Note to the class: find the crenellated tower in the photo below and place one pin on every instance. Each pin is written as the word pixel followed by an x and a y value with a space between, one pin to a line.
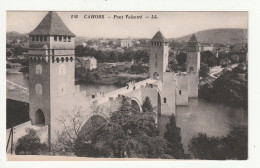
pixel 51 70
pixel 158 60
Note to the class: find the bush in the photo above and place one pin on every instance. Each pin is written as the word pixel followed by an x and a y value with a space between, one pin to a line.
pixel 30 144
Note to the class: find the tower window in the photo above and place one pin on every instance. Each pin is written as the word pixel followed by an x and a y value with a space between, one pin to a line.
pixel 60 38
pixel 38 69
pixel 33 38
pixel 191 69
pixel 179 92
pixel 55 38
pixel 37 38
pixel 45 38
pixel 41 38
pixel 69 39
pixel 64 38
pixel 156 55
pixel 38 89
pixel 62 89
pixel 155 64
pixel 62 69
pixel 164 100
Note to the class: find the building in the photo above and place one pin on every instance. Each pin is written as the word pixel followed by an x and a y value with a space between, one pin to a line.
pixel 126 43
pixel 207 47
pixel 90 62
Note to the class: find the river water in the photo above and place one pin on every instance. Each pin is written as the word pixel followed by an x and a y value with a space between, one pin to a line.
pixel 199 116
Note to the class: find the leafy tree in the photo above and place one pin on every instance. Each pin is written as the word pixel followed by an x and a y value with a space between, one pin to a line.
pixel 128 133
pixel 209 58
pixel 30 144
pixel 181 58
pixel 204 70
pixel 147 106
pixel 173 136
pixel 233 146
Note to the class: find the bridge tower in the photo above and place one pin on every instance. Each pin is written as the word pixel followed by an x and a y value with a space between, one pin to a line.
pixel 158 70
pixel 193 65
pixel 158 60
pixel 51 70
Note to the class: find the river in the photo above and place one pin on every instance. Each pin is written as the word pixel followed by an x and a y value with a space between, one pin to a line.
pixel 199 116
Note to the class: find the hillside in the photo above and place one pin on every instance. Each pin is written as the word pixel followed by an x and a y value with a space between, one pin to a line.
pixel 13 35
pixel 223 36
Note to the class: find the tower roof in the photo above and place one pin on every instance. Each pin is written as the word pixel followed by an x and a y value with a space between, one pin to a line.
pixel 193 38
pixel 51 24
pixel 158 37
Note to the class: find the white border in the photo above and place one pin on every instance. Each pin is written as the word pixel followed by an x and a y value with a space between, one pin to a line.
pixel 252 6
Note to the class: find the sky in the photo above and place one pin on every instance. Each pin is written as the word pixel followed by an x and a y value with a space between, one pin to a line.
pixel 171 24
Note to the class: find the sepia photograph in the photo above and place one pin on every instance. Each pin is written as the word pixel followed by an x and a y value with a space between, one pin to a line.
pixel 132 84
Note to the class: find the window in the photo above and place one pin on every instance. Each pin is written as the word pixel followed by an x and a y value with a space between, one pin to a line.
pixel 41 38
pixel 179 92
pixel 38 69
pixel 33 38
pixel 60 38
pixel 55 38
pixel 37 38
pixel 62 89
pixel 45 38
pixel 69 39
pixel 156 55
pixel 64 38
pixel 191 69
pixel 164 100
pixel 38 89
pixel 62 69
pixel 155 64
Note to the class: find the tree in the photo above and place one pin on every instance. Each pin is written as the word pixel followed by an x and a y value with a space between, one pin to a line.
pixel 233 146
pixel 204 70
pixel 209 58
pixel 181 58
pixel 30 144
pixel 147 106
pixel 173 136
pixel 128 133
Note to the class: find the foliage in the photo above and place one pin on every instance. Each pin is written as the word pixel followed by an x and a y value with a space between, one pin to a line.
pixel 128 133
pixel 208 58
pixel 30 144
pixel 67 138
pixel 147 105
pixel 113 56
pixel 231 88
pixel 233 146
pixel 181 58
pixel 173 136
pixel 204 70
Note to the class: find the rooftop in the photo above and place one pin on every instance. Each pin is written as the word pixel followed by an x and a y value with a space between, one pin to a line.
pixel 52 24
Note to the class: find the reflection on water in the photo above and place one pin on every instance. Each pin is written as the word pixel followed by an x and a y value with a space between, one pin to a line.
pixel 199 116
pixel 206 117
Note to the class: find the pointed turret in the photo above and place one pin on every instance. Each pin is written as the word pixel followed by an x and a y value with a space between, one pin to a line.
pixel 158 37
pixel 193 38
pixel 52 25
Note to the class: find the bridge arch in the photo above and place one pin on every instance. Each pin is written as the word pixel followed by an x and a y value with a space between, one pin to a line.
pixel 136 104
pixel 39 118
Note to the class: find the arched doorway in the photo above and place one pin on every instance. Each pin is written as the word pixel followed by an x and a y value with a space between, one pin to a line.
pixel 156 76
pixel 39 118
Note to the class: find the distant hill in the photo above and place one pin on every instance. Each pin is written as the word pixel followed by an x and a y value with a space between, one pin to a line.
pixel 13 35
pixel 223 36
